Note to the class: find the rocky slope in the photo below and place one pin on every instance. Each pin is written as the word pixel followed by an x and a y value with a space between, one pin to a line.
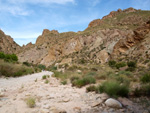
pixel 120 35
pixel 7 44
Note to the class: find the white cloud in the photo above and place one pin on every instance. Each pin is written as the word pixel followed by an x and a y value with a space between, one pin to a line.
pixel 18 7
pixel 13 9
pixel 41 1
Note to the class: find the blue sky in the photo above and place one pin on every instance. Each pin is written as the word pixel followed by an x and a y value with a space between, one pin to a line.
pixel 24 20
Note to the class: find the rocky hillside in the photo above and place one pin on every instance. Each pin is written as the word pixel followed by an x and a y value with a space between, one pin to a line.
pixel 119 35
pixel 7 44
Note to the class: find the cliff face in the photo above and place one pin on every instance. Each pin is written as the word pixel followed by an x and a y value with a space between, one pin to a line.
pixel 7 44
pixel 119 35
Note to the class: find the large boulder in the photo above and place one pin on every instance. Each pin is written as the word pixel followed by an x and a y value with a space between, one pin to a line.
pixel 113 103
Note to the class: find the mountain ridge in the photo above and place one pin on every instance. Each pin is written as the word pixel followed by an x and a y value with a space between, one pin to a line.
pixel 100 42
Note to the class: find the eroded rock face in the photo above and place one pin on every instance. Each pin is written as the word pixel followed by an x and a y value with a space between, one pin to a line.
pixel 7 44
pixel 96 44
pixel 124 46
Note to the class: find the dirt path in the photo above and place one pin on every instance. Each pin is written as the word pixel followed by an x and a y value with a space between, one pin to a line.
pixel 50 98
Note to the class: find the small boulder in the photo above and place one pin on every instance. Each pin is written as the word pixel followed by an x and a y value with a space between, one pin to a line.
pixel 113 103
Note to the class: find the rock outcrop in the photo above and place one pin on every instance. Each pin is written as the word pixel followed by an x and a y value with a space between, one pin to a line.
pixel 7 44
pixel 128 45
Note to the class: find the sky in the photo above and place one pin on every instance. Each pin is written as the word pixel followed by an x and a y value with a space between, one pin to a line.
pixel 24 20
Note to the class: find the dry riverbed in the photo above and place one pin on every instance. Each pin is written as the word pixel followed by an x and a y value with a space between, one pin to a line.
pixel 52 97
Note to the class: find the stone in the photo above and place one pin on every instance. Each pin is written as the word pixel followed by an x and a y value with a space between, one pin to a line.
pixel 102 96
pixel 77 109
pixel 46 106
pixel 57 110
pixel 44 111
pixel 113 103
pixel 66 100
pixel 125 101
pixel 96 103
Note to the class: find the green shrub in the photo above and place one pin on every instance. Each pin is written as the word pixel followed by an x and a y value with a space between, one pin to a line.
pixel 123 79
pixel 30 102
pixel 91 88
pixel 64 82
pixel 53 68
pixel 114 89
pixel 120 64
pixel 42 67
pixel 112 63
pixel 131 64
pixel 84 81
pixel 82 61
pixel 14 57
pixel 8 57
pixel 145 78
pixel 144 90
pixel 27 63
pixel 2 55
pixel 74 78
pixel 127 73
pixel 44 77
pixel 91 74
pixel 46 81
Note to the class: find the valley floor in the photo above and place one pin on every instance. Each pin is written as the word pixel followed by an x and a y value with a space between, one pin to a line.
pixel 53 97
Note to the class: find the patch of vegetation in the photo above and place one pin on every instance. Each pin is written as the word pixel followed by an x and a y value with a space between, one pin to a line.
pixel 74 78
pixel 27 64
pixel 127 73
pixel 84 81
pixel 46 81
pixel 64 82
pixel 114 89
pixel 91 73
pixel 120 64
pixel 61 75
pixel 8 57
pixel 82 61
pixel 122 79
pixel 42 67
pixel 14 70
pixel 145 78
pixel 131 69
pixel 44 77
pixel 30 102
pixel 112 63
pixel 144 90
pixel 91 88
pixel 131 64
